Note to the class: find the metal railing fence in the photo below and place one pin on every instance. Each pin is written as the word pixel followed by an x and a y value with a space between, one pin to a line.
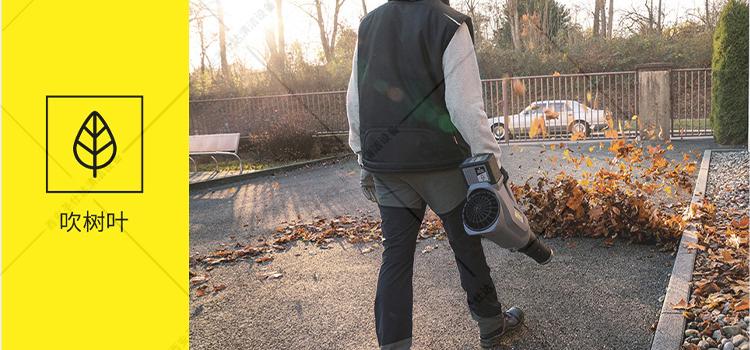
pixel 554 107
pixel 304 113
pixel 691 102
pixel 593 105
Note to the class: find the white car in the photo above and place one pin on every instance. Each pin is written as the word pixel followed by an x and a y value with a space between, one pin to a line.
pixel 560 116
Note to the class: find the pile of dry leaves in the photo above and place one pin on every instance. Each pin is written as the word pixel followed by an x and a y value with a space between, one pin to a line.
pixel 719 299
pixel 319 231
pixel 618 200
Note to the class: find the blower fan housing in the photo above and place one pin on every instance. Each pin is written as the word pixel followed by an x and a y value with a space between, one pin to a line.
pixel 492 212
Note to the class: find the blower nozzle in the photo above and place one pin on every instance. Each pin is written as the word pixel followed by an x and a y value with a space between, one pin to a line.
pixel 492 212
pixel 537 250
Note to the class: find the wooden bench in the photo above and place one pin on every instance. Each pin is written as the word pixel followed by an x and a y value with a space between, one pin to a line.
pixel 214 144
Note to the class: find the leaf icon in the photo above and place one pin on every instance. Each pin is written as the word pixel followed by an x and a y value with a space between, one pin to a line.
pixel 94 146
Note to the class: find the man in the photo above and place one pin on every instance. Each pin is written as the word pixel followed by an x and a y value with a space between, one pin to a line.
pixel 415 112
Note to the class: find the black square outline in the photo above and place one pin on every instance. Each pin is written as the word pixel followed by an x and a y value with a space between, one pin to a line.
pixel 46 142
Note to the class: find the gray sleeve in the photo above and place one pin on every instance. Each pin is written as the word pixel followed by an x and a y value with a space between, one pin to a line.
pixel 463 94
pixel 352 110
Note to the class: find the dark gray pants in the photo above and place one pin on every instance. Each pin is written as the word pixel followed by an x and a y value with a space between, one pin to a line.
pixel 393 301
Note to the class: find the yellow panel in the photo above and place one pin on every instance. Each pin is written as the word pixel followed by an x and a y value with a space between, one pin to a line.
pixel 100 288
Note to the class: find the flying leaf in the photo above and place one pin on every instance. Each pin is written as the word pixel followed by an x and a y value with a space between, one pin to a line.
pixel 518 87
pixel 566 154
pixel 94 147
pixel 578 135
pixel 538 127
pixel 550 114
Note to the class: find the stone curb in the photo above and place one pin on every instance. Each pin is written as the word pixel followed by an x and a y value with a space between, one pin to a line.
pixel 671 327
pixel 202 185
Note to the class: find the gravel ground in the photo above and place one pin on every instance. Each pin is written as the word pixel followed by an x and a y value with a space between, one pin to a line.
pixel 727 189
pixel 589 297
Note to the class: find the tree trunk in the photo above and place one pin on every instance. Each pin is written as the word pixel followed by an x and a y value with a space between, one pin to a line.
pixel 334 32
pixel 708 14
pixel 322 29
pixel 202 37
pixel 222 41
pixel 611 18
pixel 597 16
pixel 514 25
pixel 545 20
pixel 603 12
pixel 364 9
pixel 281 43
pixel 651 16
pixel 658 19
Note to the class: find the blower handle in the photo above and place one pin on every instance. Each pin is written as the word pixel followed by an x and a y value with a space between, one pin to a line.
pixel 505 175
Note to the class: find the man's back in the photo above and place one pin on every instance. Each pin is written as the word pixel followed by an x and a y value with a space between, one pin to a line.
pixel 404 121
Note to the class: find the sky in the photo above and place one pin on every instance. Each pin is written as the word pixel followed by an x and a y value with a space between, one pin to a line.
pixel 248 20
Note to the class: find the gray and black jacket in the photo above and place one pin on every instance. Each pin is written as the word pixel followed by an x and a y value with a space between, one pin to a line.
pixel 414 101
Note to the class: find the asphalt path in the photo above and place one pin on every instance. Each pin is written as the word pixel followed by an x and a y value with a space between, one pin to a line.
pixel 590 297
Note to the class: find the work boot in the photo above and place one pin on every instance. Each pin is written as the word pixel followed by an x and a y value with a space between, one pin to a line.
pixel 512 319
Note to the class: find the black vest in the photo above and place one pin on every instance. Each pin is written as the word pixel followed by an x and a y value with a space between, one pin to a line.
pixel 404 123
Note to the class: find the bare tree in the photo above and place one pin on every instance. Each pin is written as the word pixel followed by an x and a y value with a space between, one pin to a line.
pixel 327 40
pixel 197 16
pixel 515 33
pixel 709 14
pixel 597 17
pixel 603 13
pixel 478 11
pixel 222 41
pixel 280 25
pixel 659 16
pixel 276 42
pixel 635 21
pixel 611 18
pixel 494 10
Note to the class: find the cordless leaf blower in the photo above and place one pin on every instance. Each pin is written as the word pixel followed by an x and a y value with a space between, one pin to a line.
pixel 491 210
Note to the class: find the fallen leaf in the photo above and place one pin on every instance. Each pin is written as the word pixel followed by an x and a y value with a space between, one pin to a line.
pixel 201 291
pixel 742 223
pixel 681 305
pixel 198 280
